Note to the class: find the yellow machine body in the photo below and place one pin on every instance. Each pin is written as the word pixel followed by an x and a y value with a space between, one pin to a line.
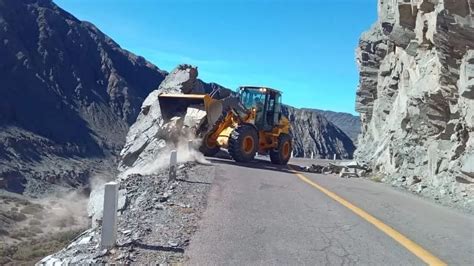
pixel 267 139
pixel 222 123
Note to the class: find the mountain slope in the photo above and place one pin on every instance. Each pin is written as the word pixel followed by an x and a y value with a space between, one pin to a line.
pixel 313 133
pixel 67 91
pixel 349 123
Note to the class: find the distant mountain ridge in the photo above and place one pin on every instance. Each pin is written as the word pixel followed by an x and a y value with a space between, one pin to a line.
pixel 314 134
pixel 349 123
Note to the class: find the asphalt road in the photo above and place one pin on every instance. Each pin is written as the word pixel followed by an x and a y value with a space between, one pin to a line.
pixel 262 214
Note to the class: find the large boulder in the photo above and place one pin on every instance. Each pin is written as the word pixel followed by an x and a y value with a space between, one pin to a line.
pixel 415 97
pixel 151 138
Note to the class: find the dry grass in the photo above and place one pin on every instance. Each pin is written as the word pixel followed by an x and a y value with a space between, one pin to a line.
pixel 31 251
pixel 30 231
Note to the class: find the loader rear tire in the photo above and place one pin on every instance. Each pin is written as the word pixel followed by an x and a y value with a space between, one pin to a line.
pixel 243 143
pixel 281 155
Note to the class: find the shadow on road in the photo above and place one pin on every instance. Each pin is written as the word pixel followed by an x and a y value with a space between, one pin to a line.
pixel 256 164
pixel 192 182
pixel 158 248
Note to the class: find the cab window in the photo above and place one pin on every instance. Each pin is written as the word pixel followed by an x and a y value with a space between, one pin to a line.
pixel 252 99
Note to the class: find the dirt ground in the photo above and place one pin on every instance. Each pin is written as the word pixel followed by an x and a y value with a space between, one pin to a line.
pixel 31 229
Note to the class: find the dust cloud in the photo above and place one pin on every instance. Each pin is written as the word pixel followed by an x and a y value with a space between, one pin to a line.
pixel 66 210
pixel 162 158
pixel 63 211
pixel 72 210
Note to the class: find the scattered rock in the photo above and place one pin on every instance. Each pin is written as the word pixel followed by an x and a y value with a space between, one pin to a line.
pixel 140 227
pixel 313 168
pixel 164 197
pixel 344 169
pixel 103 253
pixel 348 172
pixel 172 244
pixel 414 180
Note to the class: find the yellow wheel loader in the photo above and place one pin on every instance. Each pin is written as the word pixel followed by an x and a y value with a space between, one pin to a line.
pixel 244 125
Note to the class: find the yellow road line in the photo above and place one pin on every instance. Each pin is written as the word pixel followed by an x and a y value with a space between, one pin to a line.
pixel 413 247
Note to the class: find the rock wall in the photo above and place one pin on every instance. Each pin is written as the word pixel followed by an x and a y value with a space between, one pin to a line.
pixel 416 97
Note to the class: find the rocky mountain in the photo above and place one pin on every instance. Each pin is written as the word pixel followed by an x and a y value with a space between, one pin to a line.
pixel 416 97
pixel 348 123
pixel 67 96
pixel 314 133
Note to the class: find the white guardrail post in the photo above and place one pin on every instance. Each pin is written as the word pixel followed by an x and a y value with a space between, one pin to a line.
pixel 173 162
pixel 109 216
pixel 190 146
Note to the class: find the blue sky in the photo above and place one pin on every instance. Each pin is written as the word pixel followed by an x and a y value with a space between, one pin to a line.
pixel 306 48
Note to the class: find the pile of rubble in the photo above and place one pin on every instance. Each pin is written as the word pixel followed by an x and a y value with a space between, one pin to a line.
pixel 155 222
pixel 154 131
pixel 344 169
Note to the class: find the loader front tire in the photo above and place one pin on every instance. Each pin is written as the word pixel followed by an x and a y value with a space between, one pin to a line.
pixel 243 143
pixel 281 155
pixel 208 148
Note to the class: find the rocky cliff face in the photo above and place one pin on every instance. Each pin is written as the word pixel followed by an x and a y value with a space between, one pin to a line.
pixel 416 97
pixel 67 96
pixel 348 123
pixel 313 133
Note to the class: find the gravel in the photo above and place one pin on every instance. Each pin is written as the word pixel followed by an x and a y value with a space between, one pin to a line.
pixel 156 223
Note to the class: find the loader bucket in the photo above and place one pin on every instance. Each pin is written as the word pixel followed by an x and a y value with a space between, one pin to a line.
pixel 173 105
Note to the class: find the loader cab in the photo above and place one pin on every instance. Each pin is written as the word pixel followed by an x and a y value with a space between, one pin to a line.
pixel 267 103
